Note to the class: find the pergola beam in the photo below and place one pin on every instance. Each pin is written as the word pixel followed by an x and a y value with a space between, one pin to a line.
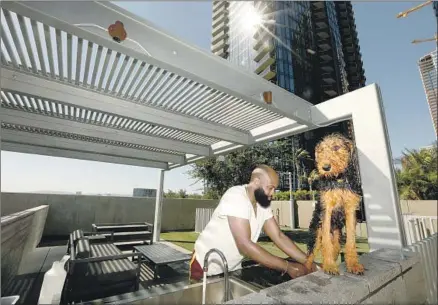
pixel 165 52
pixel 57 124
pixel 79 155
pixel 44 88
pixel 28 138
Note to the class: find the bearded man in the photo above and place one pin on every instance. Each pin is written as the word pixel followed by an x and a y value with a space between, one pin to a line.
pixel 235 227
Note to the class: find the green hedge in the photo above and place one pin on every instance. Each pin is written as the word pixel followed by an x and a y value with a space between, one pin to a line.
pixel 297 195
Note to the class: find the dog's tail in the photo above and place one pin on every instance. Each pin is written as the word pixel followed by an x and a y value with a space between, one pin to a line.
pixel 313 227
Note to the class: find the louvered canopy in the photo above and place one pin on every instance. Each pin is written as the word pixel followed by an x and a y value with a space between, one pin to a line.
pixel 69 90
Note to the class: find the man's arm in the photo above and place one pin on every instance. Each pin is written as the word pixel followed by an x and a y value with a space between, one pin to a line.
pixel 242 235
pixel 283 242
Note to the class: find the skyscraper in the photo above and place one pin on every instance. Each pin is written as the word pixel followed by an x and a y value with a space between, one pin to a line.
pixel 308 48
pixel 435 8
pixel 428 72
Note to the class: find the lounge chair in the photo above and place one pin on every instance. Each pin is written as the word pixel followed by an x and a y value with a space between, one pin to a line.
pixel 98 270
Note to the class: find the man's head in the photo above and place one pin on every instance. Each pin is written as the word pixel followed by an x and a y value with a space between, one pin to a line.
pixel 264 181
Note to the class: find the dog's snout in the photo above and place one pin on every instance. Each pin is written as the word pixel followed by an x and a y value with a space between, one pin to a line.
pixel 326 167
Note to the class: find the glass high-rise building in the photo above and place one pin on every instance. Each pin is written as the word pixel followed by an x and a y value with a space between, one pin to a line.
pixel 309 48
pixel 435 8
pixel 428 72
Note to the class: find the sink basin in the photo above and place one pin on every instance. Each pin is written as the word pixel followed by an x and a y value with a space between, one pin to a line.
pixel 192 294
pixel 260 276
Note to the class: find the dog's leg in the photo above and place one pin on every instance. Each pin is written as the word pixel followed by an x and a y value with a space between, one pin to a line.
pixel 351 257
pixel 336 244
pixel 329 265
pixel 314 251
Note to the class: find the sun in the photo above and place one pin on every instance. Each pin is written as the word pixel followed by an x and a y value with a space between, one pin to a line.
pixel 252 19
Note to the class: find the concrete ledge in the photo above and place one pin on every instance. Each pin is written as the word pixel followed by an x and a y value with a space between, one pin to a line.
pixel 38 224
pixel 20 234
pixel 391 277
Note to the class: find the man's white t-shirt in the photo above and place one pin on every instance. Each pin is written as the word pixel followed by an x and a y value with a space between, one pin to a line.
pixel 217 234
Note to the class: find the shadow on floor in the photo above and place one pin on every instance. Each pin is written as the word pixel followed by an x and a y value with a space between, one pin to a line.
pixel 27 283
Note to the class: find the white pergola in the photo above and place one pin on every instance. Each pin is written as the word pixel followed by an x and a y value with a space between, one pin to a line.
pixel 69 90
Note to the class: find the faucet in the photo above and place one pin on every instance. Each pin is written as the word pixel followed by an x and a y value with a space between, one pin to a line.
pixel 226 278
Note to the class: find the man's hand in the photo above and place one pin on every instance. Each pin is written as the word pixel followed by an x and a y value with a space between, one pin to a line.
pixel 296 270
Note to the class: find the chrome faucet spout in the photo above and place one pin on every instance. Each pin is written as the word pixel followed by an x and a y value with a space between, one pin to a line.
pixel 225 263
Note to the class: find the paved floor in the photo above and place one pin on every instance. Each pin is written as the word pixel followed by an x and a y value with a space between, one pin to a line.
pixel 27 284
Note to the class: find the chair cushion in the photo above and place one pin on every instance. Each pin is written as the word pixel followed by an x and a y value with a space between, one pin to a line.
pixel 77 234
pixel 104 249
pixel 74 236
pixel 118 270
pixel 82 249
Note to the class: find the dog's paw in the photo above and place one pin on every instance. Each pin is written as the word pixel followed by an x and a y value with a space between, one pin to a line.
pixel 356 269
pixel 331 269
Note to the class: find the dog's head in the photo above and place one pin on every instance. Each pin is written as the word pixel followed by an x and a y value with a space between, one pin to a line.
pixel 333 155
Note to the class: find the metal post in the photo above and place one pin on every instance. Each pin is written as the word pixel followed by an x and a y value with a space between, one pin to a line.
pixel 158 208
pixel 382 203
pixel 292 206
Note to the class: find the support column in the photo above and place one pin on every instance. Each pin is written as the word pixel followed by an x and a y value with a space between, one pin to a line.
pixel 382 204
pixel 292 203
pixel 158 208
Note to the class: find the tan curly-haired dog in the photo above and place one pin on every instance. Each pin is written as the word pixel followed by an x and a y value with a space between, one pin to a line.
pixel 337 205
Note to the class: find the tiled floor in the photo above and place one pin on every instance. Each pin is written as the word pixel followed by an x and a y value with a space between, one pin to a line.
pixel 27 284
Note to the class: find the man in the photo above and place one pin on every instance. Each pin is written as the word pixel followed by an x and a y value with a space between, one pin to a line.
pixel 235 227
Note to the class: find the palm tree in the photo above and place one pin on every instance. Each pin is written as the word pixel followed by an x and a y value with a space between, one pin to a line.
pixel 313 176
pixel 298 157
pixel 417 178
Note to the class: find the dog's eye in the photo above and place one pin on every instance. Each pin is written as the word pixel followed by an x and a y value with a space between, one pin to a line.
pixel 336 147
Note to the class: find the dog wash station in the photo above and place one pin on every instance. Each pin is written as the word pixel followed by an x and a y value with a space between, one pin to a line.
pixel 69 90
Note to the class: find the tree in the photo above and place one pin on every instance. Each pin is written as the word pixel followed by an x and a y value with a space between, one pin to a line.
pixel 417 178
pixel 237 166
pixel 182 193
pixel 170 194
pixel 298 157
pixel 313 176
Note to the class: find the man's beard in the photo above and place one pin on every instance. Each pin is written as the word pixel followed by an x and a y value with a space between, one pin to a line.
pixel 261 198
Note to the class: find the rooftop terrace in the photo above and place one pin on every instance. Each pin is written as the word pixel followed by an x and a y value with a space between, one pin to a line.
pixel 70 90
pixel 29 248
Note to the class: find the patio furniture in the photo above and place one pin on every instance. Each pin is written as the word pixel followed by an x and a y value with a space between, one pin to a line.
pixel 160 254
pixel 126 235
pixel 93 237
pixel 98 270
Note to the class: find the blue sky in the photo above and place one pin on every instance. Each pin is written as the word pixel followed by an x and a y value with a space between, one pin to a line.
pixel 389 60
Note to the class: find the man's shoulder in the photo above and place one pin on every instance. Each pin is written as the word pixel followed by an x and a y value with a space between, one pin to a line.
pixel 237 190
pixel 234 193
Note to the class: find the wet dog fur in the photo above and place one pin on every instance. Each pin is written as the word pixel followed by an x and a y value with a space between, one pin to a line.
pixel 336 205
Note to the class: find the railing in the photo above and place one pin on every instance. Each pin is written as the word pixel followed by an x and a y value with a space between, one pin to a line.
pixel 203 216
pixel 419 227
pixel 427 249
